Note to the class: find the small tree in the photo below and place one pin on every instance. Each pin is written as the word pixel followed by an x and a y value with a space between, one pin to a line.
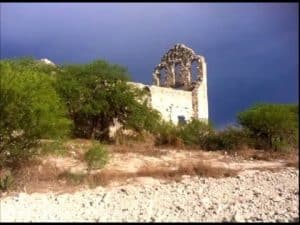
pixel 96 94
pixel 272 125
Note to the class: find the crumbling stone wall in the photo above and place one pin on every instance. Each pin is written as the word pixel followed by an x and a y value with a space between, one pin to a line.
pixel 170 102
pixel 184 57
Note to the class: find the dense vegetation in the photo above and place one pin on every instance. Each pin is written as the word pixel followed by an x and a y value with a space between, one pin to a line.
pixel 30 109
pixel 272 126
pixel 95 94
pixel 44 101
pixel 39 101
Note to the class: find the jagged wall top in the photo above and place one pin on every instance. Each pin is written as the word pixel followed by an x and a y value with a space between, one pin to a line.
pixel 178 55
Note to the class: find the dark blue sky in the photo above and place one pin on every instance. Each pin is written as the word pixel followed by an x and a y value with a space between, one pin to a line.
pixel 251 49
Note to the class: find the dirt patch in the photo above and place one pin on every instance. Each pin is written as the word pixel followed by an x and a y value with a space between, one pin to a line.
pixel 270 155
pixel 69 173
pixel 143 149
pixel 38 177
pixel 107 177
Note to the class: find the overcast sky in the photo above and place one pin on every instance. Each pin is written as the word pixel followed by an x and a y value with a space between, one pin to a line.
pixel 251 49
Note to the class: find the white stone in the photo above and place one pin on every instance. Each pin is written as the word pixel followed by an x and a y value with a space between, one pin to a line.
pixel 47 61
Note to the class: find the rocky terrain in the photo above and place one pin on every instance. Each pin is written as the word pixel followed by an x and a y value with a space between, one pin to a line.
pixel 253 195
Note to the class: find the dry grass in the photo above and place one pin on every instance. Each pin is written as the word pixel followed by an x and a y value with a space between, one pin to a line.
pixel 200 168
pixel 72 178
pixel 293 163
pixel 291 157
pixel 35 177
pixel 147 148
pixel 144 146
pixel 159 172
pixel 137 148
pixel 104 178
pixel 173 142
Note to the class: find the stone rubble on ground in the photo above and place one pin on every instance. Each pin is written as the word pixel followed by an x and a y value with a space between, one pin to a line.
pixel 253 196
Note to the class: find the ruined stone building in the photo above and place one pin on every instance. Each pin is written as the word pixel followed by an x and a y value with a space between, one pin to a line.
pixel 179 89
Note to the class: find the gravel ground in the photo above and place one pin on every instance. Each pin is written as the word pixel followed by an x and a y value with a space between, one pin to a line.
pixel 252 196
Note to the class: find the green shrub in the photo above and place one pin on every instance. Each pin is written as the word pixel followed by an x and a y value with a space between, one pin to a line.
pixel 143 118
pixel 167 134
pixel 194 132
pixel 272 126
pixel 96 157
pixel 212 142
pixel 6 180
pixel 232 138
pixel 30 109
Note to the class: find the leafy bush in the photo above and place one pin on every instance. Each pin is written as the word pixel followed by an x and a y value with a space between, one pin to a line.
pixel 272 126
pixel 30 109
pixel 212 142
pixel 168 134
pixel 96 157
pixel 143 118
pixel 6 180
pixel 194 132
pixel 231 138
pixel 191 134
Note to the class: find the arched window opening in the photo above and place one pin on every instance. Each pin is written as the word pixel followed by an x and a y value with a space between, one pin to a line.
pixel 178 78
pixel 163 76
pixel 194 71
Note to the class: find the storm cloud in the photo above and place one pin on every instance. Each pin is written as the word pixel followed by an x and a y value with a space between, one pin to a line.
pixel 251 49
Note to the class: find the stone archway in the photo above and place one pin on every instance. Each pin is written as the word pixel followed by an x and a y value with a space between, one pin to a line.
pixel 183 57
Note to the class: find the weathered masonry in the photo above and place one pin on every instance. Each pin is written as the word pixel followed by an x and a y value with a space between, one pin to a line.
pixel 179 90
